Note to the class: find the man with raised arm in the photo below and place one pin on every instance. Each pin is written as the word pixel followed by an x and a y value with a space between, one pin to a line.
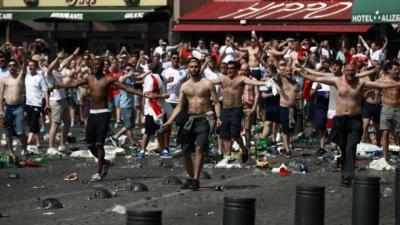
pixel 348 113
pixel 99 115
pixel 196 94
pixel 11 95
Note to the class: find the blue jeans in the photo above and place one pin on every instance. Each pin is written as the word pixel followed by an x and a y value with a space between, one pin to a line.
pixel 14 119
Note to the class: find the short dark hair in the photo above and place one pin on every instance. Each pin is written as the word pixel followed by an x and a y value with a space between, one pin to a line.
pixel 174 53
pixel 237 66
pixel 156 67
pixel 389 65
pixel 194 60
pixel 337 62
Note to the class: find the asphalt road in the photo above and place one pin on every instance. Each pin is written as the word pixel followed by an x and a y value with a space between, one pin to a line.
pixel 20 199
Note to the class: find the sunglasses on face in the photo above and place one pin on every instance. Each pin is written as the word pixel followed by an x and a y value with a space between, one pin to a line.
pixel 230 68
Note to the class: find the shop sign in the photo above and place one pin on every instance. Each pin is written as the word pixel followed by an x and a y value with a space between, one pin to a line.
pixel 6 16
pixel 135 15
pixel 67 16
pixel 81 2
pixel 290 10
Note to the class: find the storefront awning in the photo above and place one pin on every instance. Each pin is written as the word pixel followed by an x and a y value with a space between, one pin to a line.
pixel 273 28
pixel 76 14
pixel 376 11
pixel 278 10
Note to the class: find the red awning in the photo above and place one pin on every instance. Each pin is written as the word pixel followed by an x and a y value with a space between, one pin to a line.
pixel 325 28
pixel 277 10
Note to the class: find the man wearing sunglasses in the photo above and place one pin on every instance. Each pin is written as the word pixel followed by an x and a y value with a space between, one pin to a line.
pixel 11 96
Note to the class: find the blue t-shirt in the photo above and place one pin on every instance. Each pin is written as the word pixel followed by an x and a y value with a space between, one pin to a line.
pixel 127 98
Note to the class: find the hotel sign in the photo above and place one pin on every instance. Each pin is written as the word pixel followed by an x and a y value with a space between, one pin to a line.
pixel 377 17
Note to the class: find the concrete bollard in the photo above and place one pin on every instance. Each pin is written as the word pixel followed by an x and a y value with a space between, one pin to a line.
pixel 239 211
pixel 310 205
pixel 397 197
pixel 366 194
pixel 142 217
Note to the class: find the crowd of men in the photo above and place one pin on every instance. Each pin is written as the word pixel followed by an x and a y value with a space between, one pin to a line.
pixel 200 91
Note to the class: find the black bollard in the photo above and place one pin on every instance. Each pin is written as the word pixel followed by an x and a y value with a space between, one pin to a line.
pixel 310 205
pixel 397 197
pixel 142 217
pixel 239 211
pixel 365 200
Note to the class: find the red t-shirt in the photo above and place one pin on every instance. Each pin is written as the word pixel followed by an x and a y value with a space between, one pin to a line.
pixel 186 53
pixel 116 75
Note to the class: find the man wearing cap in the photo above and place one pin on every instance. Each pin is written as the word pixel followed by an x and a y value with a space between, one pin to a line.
pixel 163 48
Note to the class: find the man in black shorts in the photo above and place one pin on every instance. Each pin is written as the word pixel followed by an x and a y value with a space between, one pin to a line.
pixel 99 114
pixel 196 94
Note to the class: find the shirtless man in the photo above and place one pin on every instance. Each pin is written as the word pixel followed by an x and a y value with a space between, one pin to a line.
pixel 275 55
pixel 390 114
pixel 232 87
pixel 99 115
pixel 348 113
pixel 254 52
pixel 11 94
pixel 196 94
pixel 371 111
pixel 289 89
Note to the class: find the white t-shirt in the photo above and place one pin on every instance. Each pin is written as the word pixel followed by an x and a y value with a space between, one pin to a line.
pixel 229 54
pixel 211 75
pixel 174 87
pixel 56 94
pixel 160 51
pixel 34 88
pixel 3 73
pixel 148 86
pixel 332 94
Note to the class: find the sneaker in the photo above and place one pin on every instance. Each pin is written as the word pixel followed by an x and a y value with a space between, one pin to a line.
pixel 283 152
pixel 54 152
pixel 166 154
pixel 42 129
pixel 114 141
pixel 195 185
pixel 321 151
pixel 141 155
pixel 347 181
pixel 96 178
pixel 33 149
pixel 187 184
pixel 62 148
pixel 104 169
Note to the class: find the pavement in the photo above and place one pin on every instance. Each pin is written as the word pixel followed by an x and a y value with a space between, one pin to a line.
pixel 275 195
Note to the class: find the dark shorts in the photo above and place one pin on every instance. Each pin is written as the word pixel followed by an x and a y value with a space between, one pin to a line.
pixel 287 118
pixel 71 102
pixel 33 118
pixel 372 111
pixel 150 127
pixel 14 119
pixel 231 123
pixel 272 116
pixel 256 73
pixel 320 118
pixel 198 136
pixel 97 128
pixel 128 118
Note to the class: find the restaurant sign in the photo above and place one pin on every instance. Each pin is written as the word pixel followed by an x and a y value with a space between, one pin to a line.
pixel 290 10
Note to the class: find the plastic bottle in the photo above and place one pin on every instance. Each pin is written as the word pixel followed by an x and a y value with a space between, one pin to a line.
pixel 39 160
pixel 4 161
pixel 387 192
